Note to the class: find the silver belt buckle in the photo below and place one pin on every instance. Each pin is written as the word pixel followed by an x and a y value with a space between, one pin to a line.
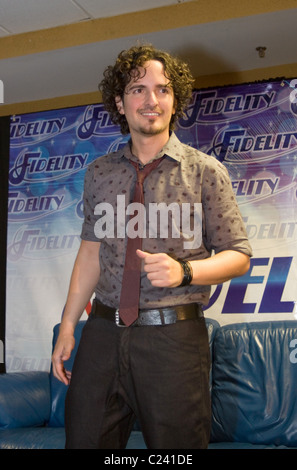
pixel 117 319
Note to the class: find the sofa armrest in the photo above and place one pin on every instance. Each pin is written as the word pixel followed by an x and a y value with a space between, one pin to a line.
pixel 254 384
pixel 24 399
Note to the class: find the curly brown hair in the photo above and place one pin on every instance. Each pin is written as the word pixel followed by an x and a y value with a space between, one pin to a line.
pixel 117 77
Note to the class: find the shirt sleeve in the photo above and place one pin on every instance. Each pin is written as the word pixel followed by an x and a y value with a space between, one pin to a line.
pixel 87 232
pixel 224 228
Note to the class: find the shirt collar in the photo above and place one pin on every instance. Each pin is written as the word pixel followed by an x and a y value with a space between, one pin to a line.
pixel 172 149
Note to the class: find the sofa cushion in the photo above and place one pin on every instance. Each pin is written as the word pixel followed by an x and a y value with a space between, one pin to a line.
pixel 24 399
pixel 32 438
pixel 254 384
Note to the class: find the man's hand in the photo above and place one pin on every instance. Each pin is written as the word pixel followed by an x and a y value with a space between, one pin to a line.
pixel 161 269
pixel 62 352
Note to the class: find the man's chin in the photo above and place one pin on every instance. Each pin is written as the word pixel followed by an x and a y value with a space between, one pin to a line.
pixel 152 130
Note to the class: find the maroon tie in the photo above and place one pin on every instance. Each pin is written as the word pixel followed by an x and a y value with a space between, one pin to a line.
pixel 129 302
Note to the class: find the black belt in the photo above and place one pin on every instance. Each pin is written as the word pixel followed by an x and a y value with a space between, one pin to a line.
pixel 160 316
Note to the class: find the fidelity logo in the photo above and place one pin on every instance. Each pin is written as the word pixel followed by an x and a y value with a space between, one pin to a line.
pixel 293 94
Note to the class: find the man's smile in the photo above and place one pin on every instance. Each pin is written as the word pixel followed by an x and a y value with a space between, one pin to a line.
pixel 150 113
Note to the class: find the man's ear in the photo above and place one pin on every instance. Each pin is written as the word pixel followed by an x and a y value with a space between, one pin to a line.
pixel 119 104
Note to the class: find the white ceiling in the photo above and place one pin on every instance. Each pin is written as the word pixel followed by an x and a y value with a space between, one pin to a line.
pixel 210 48
pixel 19 16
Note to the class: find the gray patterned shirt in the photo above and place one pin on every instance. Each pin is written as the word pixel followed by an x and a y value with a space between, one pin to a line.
pixel 199 213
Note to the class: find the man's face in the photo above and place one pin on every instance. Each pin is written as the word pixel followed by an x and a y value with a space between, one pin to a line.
pixel 148 103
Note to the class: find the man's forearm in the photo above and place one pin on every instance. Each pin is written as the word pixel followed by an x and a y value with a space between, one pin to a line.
pixel 164 271
pixel 220 268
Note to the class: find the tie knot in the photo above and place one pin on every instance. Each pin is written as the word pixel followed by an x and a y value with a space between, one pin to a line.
pixel 144 170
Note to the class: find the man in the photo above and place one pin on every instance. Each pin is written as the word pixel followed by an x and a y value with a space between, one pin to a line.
pixel 157 367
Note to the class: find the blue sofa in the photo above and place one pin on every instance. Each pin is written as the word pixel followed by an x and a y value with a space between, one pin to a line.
pixel 253 388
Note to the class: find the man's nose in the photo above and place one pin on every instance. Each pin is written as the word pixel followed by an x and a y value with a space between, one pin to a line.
pixel 152 98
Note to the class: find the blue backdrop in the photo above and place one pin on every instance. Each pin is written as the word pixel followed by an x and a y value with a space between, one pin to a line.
pixel 250 128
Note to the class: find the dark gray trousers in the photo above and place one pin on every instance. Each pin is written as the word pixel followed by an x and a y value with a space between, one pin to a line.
pixel 159 374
